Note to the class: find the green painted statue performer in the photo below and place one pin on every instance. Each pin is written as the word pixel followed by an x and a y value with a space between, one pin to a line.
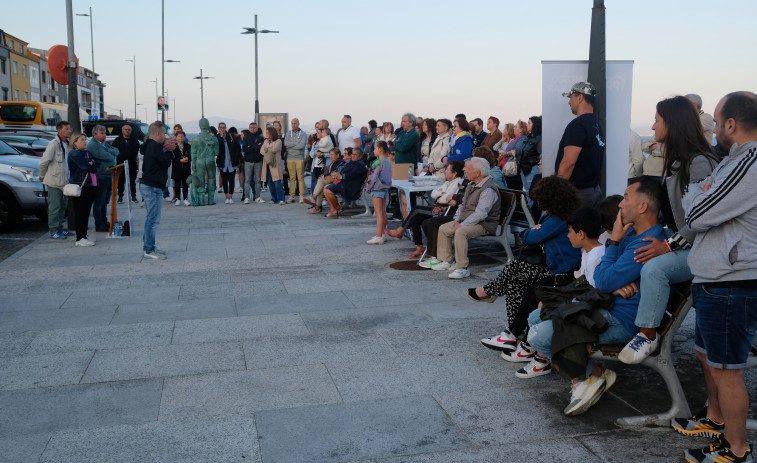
pixel 203 180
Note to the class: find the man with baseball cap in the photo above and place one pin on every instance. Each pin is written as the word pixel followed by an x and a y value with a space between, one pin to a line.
pixel 581 152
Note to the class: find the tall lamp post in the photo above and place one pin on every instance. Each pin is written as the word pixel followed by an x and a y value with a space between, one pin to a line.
pixel 202 92
pixel 156 96
pixel 134 60
pixel 163 86
pixel 254 30
pixel 94 76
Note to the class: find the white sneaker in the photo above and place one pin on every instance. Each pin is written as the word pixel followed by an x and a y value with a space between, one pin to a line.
pixel 271 202
pixel 187 203
pixel 177 202
pixel 84 242
pixel 281 203
pixel 302 201
pixel 442 266
pixel 246 201
pixel 638 348
pixel 258 200
pixel 169 199
pixel 376 240
pixel 429 263
pixel 504 341
pixel 584 394
pixel 92 239
pixel 459 273
pixel 609 377
pixel 523 353
pixel 153 255
pixel 231 201
pixel 538 366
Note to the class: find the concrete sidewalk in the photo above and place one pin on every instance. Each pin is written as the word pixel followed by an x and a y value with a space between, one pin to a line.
pixel 272 335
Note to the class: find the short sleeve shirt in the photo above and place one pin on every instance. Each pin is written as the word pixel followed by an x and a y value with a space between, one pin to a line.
pixel 347 137
pixel 584 132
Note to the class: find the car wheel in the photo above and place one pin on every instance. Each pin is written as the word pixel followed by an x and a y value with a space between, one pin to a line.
pixel 10 212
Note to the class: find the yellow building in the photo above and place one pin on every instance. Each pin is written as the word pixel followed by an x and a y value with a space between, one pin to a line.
pixel 24 70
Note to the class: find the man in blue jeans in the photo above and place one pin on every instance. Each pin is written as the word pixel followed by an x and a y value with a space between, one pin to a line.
pixel 157 158
pixel 722 210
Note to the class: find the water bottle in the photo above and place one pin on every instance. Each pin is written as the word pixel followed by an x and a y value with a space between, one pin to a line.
pixel 410 174
pixel 118 229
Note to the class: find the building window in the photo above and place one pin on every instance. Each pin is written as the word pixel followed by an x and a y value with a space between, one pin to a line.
pixel 44 77
pixel 2 66
pixel 24 70
pixel 15 68
pixel 26 96
pixel 15 94
pixel 5 95
pixel 21 48
pixel 13 45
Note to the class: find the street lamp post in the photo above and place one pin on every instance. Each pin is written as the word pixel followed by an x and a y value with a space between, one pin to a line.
pixel 92 42
pixel 134 60
pixel 254 30
pixel 202 92
pixel 163 86
pixel 156 96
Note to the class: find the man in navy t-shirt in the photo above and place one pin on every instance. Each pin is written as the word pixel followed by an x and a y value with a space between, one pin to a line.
pixel 582 148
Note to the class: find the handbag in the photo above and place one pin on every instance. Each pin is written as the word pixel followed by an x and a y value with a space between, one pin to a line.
pixel 533 254
pixel 511 167
pixel 74 189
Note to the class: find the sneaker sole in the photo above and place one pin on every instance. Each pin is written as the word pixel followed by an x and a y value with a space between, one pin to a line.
pixel 698 432
pixel 498 347
pixel 582 408
pixel 546 371
pixel 516 359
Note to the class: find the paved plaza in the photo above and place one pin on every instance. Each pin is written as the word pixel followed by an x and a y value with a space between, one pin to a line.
pixel 271 335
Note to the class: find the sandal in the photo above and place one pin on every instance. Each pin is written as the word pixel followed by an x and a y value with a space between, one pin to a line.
pixel 391 233
pixel 416 254
pixel 472 294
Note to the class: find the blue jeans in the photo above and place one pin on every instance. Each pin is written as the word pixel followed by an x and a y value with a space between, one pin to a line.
pixel 275 187
pixel 540 333
pixel 656 277
pixel 99 210
pixel 153 198
pixel 726 324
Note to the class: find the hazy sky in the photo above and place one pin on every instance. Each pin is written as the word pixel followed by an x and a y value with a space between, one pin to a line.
pixel 376 60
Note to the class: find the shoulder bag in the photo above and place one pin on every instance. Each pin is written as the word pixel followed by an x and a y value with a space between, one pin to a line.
pixel 74 189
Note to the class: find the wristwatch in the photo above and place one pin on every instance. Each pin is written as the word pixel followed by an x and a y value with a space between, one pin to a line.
pixel 611 241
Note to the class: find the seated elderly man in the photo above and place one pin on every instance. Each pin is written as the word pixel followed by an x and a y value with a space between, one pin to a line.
pixel 477 215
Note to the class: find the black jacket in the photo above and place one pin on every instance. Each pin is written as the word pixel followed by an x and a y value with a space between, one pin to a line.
pixel 126 152
pixel 181 170
pixel 235 151
pixel 251 145
pixel 155 164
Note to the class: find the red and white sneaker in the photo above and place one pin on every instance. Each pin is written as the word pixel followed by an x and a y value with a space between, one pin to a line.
pixel 524 353
pixel 505 342
pixel 539 366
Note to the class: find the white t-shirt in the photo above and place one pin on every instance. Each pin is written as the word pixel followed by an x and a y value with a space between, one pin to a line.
pixel 347 137
pixel 589 262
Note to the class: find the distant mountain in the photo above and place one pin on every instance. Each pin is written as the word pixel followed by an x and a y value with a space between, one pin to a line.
pixel 194 126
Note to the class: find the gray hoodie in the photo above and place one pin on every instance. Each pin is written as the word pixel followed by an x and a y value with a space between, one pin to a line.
pixel 295 143
pixel 725 219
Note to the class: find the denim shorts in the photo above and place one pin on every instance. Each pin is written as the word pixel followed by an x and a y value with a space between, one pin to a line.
pixel 725 325
pixel 379 194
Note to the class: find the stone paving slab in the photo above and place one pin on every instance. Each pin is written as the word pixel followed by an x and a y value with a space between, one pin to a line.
pixel 45 301
pixel 222 307
pixel 52 319
pixel 102 337
pixel 356 431
pixel 223 440
pixel 248 289
pixel 21 449
pixel 32 411
pixel 164 361
pixel 135 295
pixel 242 392
pixel 371 318
pixel 238 328
pixel 43 370
pixel 292 303
pixel 14 344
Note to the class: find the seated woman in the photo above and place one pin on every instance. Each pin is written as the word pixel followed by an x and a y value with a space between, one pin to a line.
pixel 508 135
pixel 461 142
pixel 348 182
pixel 486 153
pixel 514 150
pixel 558 198
pixel 441 196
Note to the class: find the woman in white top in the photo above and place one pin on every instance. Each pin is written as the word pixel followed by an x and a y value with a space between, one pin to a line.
pixel 439 149
pixel 427 138
pixel 387 134
pixel 441 195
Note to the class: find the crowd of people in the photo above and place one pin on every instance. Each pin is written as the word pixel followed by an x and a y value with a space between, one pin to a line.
pixel 593 270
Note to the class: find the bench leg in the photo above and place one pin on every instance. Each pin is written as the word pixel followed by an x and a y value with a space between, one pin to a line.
pixel 679 408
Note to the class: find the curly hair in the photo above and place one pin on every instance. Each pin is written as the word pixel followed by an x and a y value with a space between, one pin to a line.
pixel 556 196
pixel 486 153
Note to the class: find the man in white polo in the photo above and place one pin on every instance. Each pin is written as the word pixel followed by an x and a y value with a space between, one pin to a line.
pixel 348 136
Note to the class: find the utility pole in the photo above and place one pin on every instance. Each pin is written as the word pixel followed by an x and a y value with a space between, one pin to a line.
pixel 73 96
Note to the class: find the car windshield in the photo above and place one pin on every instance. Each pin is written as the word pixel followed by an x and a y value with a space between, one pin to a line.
pixel 6 149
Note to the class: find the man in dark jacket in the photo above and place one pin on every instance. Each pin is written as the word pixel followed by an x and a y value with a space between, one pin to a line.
pixel 253 163
pixel 157 158
pixel 227 160
pixel 128 148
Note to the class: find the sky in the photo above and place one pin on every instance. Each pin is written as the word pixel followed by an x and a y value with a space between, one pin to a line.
pixel 377 60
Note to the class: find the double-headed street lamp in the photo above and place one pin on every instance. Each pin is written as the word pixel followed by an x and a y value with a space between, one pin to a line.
pixel 254 30
pixel 134 60
pixel 202 92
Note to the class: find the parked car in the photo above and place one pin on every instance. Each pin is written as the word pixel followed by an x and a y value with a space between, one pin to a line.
pixel 33 145
pixel 21 191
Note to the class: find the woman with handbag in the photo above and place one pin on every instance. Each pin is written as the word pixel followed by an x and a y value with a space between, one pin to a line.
pixel 512 154
pixel 547 259
pixel 272 163
pixel 454 175
pixel 81 172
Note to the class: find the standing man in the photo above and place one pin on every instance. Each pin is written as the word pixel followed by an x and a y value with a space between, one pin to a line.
pixel 708 123
pixel 128 150
pixel 295 142
pixel 107 154
pixel 581 152
pixel 722 210
pixel 348 136
pixel 53 171
pixel 227 160
pixel 253 163
pixel 406 143
pixel 477 131
pixel 157 158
